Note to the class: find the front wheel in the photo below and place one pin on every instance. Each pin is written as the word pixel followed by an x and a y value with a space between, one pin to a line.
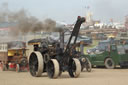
pixel 53 69
pixel 109 63
pixel 74 67
pixel 36 64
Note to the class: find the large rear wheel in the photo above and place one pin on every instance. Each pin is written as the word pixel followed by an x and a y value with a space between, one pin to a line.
pixel 53 68
pixel 36 64
pixel 74 67
pixel 109 63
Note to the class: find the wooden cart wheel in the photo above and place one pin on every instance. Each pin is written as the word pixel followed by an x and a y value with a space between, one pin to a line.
pixel 74 68
pixel 17 68
pixel 53 68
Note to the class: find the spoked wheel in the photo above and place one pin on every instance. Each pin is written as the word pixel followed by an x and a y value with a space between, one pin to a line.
pixel 74 67
pixel 53 68
pixel 36 64
pixel 109 63
pixel 88 65
pixel 17 68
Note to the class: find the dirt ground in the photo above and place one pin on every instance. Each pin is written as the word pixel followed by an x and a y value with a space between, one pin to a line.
pixel 100 76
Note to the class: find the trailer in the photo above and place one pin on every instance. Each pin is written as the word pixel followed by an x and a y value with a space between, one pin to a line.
pixel 13 56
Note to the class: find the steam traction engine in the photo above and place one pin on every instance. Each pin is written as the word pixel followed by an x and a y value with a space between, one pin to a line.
pixel 49 57
pixel 13 56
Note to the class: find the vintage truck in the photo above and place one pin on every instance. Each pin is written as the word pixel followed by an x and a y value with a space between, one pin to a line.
pixel 113 55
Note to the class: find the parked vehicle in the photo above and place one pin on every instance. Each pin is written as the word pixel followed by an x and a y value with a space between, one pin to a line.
pixel 100 36
pixel 84 39
pixel 111 56
pixel 102 45
pixel 13 56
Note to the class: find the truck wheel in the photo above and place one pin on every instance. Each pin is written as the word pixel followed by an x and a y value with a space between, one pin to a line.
pixel 36 64
pixel 17 68
pixel 109 63
pixel 53 68
pixel 88 65
pixel 74 67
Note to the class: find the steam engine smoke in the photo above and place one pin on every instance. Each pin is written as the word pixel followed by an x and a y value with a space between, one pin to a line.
pixel 33 25
pixel 25 23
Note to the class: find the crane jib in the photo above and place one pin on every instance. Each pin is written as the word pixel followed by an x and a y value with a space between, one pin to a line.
pixel 75 32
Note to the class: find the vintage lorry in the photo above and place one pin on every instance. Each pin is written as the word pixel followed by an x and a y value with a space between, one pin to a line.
pixel 113 54
pixel 13 56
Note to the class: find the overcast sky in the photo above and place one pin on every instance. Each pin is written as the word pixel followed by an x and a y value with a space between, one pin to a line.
pixel 68 10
